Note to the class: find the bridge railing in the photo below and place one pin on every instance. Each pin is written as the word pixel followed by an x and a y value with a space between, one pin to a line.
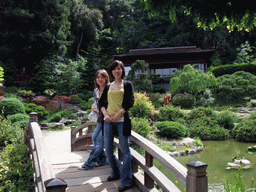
pixel 44 177
pixel 193 177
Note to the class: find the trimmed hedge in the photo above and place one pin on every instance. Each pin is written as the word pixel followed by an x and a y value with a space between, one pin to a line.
pixel 12 106
pixel 232 68
pixel 18 117
pixel 172 129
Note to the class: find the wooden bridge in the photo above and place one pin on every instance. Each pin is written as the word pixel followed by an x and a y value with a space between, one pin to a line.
pixel 56 170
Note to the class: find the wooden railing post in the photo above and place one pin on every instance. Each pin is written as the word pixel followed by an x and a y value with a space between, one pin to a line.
pixel 196 180
pixel 149 182
pixel 33 117
pixel 55 185
pixel 72 137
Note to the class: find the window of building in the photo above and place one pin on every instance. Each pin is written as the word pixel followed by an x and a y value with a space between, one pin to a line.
pixel 163 72
pixel 127 69
pixel 198 66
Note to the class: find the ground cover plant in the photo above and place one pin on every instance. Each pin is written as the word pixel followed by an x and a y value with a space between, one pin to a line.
pixel 16 168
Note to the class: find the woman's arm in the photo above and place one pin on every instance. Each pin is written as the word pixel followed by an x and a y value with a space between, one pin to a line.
pixel 128 96
pixel 103 104
pixel 106 115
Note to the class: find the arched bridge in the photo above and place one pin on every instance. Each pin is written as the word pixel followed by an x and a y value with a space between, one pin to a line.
pixel 56 169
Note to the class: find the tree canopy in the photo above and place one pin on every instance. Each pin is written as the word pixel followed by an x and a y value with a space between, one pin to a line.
pixel 208 13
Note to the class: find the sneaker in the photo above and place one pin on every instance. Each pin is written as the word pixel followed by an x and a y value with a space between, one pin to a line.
pixel 124 188
pixel 81 167
pixel 113 178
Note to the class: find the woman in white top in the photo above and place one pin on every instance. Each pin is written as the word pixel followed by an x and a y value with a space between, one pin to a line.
pixel 97 156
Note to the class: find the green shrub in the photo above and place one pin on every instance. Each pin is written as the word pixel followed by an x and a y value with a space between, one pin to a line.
pixel 202 122
pixel 184 100
pixel 56 117
pixel 87 106
pixel 86 96
pixel 12 89
pixel 22 124
pixel 232 68
pixel 157 99
pixel 39 109
pixel 10 133
pixel 200 112
pixel 227 119
pixel 170 113
pixel 16 169
pixel 236 86
pixel 142 107
pixel 67 114
pixel 11 106
pixel 159 89
pixel 206 128
pixel 18 117
pixel 141 126
pixel 75 99
pixel 246 129
pixel 172 129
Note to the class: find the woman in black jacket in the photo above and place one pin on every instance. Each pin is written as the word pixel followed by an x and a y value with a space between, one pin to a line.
pixel 117 98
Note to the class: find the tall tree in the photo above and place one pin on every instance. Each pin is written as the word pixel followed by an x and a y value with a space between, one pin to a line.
pixel 32 30
pixel 86 24
pixel 141 32
pixel 208 13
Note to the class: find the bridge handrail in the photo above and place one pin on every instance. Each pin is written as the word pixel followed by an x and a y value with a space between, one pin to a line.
pixel 193 177
pixel 44 177
pixel 153 151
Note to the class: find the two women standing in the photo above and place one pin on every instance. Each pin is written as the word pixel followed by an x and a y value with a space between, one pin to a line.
pixel 115 101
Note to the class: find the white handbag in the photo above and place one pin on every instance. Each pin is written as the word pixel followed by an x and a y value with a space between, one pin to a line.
pixel 93 116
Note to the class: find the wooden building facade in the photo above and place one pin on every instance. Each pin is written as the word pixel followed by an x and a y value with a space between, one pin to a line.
pixel 165 61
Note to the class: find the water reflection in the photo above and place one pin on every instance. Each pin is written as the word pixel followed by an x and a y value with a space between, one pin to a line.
pixel 217 154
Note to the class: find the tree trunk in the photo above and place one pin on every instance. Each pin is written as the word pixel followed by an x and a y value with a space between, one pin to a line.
pixel 79 44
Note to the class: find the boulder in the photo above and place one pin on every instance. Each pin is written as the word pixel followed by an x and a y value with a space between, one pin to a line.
pixel 192 151
pixel 182 152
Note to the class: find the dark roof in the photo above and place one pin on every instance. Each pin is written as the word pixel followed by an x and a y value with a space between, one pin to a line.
pixel 160 51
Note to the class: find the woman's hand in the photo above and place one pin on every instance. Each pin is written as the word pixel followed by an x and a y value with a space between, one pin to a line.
pixel 94 109
pixel 107 118
pixel 116 117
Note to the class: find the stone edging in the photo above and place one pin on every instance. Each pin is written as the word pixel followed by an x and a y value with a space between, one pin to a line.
pixel 188 152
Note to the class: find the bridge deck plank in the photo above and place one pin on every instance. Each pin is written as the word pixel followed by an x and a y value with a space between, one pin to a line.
pixel 64 164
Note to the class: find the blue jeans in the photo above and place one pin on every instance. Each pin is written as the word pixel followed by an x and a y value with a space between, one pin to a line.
pixel 126 172
pixel 97 155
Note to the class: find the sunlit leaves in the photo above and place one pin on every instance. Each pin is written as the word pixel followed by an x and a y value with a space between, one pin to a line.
pixel 208 13
pixel 192 81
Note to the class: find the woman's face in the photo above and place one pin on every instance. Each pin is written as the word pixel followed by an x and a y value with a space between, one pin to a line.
pixel 117 72
pixel 101 80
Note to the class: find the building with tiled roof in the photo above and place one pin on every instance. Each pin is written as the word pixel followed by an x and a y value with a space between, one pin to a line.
pixel 165 61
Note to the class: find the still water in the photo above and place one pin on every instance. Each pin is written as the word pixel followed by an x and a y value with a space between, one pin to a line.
pixel 217 154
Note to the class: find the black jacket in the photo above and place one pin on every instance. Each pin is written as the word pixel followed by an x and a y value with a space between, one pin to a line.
pixel 127 104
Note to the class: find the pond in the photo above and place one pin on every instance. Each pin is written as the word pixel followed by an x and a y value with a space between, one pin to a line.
pixel 217 154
